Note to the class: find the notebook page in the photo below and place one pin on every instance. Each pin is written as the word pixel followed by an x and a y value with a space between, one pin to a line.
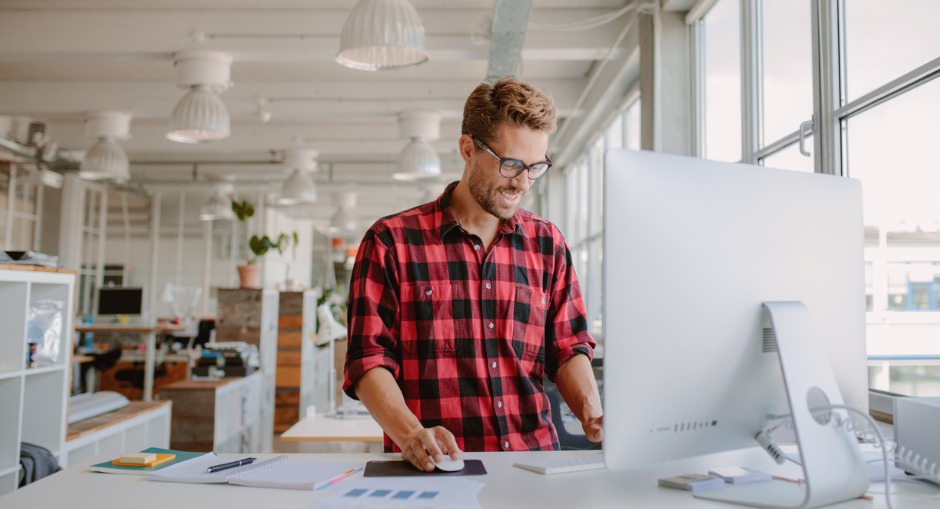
pixel 294 474
pixel 194 470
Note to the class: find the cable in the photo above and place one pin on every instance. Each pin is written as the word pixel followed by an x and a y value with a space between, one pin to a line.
pixel 765 440
pixel 881 440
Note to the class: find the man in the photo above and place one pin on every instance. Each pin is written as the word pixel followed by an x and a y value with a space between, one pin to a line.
pixel 468 301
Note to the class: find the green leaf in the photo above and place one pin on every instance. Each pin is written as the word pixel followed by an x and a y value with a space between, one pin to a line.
pixel 243 210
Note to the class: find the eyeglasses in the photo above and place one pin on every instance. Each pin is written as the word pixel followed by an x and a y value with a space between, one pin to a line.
pixel 511 168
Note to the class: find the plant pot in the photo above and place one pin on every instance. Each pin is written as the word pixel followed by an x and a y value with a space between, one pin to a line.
pixel 249 275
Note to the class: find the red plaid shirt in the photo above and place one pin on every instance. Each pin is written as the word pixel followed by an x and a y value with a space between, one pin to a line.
pixel 468 335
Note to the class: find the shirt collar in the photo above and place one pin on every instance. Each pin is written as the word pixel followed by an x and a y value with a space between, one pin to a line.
pixel 448 219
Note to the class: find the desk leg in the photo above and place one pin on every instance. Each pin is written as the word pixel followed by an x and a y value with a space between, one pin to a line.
pixel 151 338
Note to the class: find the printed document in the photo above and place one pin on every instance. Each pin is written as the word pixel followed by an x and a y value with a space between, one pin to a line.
pixel 402 493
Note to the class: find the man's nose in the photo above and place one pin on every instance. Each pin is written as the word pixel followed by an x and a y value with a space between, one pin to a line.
pixel 522 180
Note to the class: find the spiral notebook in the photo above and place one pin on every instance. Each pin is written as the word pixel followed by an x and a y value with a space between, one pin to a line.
pixel 279 472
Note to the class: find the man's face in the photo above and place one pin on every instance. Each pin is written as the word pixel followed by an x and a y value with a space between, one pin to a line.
pixel 496 194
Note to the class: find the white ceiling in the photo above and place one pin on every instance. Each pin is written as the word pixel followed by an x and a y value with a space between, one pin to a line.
pixel 61 58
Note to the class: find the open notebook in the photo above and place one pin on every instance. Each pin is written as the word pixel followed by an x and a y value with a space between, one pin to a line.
pixel 278 472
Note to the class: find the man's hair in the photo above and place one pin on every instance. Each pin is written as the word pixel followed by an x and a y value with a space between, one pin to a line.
pixel 509 101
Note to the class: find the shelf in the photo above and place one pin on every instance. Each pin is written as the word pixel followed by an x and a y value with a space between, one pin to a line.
pixel 42 370
pixel 10 390
pixel 32 400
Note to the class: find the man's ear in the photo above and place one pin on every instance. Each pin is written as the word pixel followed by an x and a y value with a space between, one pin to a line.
pixel 466 147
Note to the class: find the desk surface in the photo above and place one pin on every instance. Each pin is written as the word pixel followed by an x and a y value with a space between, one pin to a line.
pixel 130 328
pixel 505 487
pixel 321 428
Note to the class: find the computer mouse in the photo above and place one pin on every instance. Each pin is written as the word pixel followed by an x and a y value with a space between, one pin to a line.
pixel 448 465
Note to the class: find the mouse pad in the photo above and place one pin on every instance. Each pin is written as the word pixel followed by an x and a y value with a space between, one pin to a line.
pixel 403 468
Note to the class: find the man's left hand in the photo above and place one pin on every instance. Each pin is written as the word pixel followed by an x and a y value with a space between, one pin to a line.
pixel 593 427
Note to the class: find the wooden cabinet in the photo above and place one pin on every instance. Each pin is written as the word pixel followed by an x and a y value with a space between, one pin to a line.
pixel 33 400
pixel 217 415
pixel 295 361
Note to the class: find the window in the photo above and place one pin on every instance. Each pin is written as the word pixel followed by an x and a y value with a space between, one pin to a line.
pixel 721 68
pixel 879 126
pixel 20 196
pixel 584 207
pixel 787 64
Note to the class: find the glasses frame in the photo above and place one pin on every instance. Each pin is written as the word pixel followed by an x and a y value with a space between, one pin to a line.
pixel 522 166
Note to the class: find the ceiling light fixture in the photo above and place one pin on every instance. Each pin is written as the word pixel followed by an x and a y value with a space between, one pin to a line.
pixel 418 160
pixel 106 160
pixel 299 187
pixel 201 115
pixel 219 205
pixel 382 34
pixel 343 223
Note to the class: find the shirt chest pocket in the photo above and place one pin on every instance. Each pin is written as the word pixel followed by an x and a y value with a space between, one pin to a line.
pixel 529 316
pixel 427 318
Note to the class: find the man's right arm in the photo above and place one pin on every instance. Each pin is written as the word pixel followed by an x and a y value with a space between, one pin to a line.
pixel 420 446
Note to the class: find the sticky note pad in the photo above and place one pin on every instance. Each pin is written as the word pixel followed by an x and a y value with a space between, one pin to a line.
pixel 159 460
pixel 692 482
pixel 138 458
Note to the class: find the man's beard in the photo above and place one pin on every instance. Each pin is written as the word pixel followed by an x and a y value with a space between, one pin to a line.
pixel 489 198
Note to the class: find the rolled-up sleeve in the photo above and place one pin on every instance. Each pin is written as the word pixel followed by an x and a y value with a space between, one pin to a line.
pixel 566 334
pixel 372 311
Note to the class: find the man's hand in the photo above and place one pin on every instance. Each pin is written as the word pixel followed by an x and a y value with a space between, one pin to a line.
pixel 593 427
pixel 426 446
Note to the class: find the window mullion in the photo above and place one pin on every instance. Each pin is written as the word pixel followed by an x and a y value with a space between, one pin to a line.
pixel 750 80
pixel 827 130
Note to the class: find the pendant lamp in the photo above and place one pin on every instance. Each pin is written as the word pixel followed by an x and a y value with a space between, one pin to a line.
pixel 380 35
pixel 201 116
pixel 106 160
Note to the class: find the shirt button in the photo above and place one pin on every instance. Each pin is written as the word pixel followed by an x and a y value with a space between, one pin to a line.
pixel 543 300
pixel 506 445
pixel 429 292
pixel 476 247
pixel 488 286
pixel 493 365
pixel 499 404
pixel 490 325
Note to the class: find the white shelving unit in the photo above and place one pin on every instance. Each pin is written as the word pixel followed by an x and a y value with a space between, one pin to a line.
pixel 33 401
pixel 133 428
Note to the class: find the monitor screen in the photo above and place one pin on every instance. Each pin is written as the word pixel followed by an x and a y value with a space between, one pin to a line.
pixel 692 249
pixel 120 301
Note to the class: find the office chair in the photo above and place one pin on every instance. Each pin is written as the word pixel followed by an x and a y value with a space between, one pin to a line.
pixel 102 361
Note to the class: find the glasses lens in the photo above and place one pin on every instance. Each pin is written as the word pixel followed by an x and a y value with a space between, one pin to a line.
pixel 511 167
pixel 538 169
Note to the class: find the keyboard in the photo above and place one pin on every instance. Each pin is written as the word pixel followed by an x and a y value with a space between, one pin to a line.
pixel 558 464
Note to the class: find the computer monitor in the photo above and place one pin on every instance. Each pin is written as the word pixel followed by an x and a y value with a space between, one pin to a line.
pixel 120 301
pixel 693 249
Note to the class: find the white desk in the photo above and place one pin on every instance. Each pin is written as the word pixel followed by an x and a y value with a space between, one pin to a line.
pixel 506 487
pixel 322 428
pixel 149 333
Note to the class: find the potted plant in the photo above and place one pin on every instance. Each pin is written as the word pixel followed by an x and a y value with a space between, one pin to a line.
pixel 250 273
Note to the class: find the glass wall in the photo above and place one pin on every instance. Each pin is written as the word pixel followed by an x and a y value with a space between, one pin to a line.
pixel 584 206
pixel 869 107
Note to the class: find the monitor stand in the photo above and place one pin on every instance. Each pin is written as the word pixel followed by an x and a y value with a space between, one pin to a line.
pixel 833 468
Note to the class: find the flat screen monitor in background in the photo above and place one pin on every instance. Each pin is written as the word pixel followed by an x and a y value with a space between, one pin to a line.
pixel 692 251
pixel 120 301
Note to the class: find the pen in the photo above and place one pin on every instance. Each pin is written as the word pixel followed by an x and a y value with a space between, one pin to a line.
pixel 232 464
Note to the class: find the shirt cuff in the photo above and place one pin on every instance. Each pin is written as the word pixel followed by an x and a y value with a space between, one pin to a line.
pixel 566 354
pixel 357 367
